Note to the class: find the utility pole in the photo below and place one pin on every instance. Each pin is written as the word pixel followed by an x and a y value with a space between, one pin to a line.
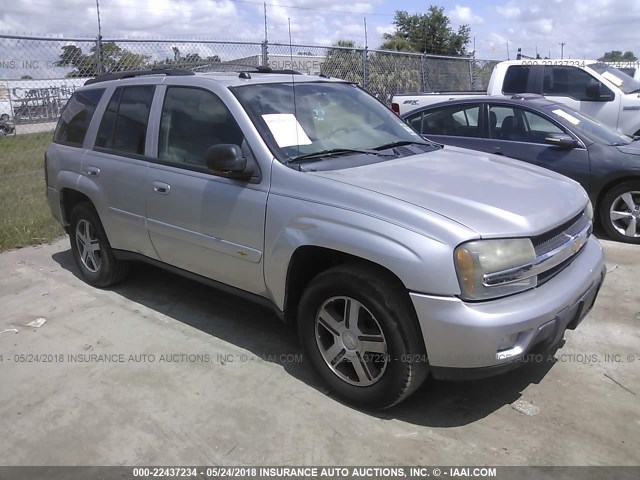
pixel 561 49
pixel 508 57
pixel 99 42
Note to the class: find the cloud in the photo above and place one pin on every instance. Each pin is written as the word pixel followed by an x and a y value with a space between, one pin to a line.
pixel 464 15
pixel 587 27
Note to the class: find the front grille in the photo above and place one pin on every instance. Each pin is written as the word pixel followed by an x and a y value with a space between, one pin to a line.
pixel 553 239
pixel 546 243
pixel 552 272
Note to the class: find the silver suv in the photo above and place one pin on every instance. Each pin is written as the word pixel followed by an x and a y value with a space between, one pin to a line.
pixel 396 257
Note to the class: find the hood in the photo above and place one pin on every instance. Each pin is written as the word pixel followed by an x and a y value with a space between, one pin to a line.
pixel 494 196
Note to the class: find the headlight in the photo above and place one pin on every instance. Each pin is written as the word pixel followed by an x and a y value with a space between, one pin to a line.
pixel 476 259
pixel 589 211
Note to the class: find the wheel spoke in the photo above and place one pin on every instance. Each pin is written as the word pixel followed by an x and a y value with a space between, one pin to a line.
pixel 94 260
pixel 327 319
pixel 361 369
pixel 627 198
pixel 334 353
pixel 631 228
pixel 373 346
pixel 351 314
pixel 618 215
pixel 94 245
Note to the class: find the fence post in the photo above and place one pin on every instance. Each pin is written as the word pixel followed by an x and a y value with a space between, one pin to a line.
pixel 265 53
pixel 423 83
pixel 471 64
pixel 365 67
pixel 99 55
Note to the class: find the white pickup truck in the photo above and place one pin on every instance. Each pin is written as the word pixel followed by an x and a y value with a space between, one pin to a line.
pixel 591 87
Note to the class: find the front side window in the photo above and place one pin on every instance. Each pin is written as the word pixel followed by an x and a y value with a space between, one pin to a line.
pixel 321 117
pixel 76 116
pixel 564 81
pixel 519 125
pixel 457 120
pixel 123 128
pixel 192 121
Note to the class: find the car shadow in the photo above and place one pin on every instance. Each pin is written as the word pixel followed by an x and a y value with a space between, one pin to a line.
pixel 259 330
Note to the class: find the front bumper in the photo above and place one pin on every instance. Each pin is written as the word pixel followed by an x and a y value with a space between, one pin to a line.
pixel 461 335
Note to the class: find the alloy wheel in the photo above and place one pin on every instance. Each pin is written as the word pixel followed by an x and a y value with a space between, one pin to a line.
pixel 88 246
pixel 351 341
pixel 625 214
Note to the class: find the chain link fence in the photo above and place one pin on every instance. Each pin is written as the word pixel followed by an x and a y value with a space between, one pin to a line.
pixel 39 74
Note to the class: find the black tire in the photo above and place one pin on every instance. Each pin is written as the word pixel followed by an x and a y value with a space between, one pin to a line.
pixel 4 117
pixel 611 199
pixel 104 269
pixel 385 299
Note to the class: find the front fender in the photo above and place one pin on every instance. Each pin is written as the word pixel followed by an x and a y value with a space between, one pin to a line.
pixel 423 264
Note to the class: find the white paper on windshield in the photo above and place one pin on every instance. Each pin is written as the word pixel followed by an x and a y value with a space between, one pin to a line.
pixel 286 129
pixel 613 79
pixel 567 116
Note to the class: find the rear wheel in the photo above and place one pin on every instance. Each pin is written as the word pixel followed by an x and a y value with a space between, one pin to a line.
pixel 361 334
pixel 620 212
pixel 91 250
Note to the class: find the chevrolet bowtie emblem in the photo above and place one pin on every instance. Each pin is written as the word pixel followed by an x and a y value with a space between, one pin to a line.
pixel 576 246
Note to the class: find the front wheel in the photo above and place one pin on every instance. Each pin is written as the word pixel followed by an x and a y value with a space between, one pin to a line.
pixel 91 250
pixel 360 333
pixel 620 212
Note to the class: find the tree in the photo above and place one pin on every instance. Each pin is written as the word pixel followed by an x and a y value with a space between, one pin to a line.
pixel 618 56
pixel 346 63
pixel 429 32
pixel 190 60
pixel 114 59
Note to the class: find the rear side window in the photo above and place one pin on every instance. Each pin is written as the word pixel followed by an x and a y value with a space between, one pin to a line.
pixel 123 128
pixel 516 79
pixel 76 116
pixel 457 121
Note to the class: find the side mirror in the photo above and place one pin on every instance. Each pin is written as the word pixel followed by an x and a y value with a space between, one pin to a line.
pixel 592 90
pixel 561 140
pixel 597 92
pixel 226 160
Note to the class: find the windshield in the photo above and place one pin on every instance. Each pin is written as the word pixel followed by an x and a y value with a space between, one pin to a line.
pixel 325 117
pixel 620 79
pixel 588 126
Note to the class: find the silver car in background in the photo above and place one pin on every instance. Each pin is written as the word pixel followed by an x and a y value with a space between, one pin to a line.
pixel 396 257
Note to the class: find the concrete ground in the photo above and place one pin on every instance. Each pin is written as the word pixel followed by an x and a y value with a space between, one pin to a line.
pixel 234 392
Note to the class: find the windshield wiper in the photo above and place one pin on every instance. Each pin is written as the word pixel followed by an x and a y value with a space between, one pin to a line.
pixel 402 143
pixel 331 152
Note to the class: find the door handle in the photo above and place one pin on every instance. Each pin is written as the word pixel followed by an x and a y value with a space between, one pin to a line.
pixel 93 171
pixel 161 187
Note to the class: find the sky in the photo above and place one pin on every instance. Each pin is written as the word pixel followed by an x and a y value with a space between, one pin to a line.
pixel 587 27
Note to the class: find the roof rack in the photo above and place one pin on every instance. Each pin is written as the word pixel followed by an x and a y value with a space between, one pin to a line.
pixel 137 73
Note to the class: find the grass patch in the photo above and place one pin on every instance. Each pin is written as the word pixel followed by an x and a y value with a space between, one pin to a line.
pixel 25 218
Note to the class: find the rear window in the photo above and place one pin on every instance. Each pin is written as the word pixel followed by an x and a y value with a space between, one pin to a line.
pixel 516 79
pixel 76 117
